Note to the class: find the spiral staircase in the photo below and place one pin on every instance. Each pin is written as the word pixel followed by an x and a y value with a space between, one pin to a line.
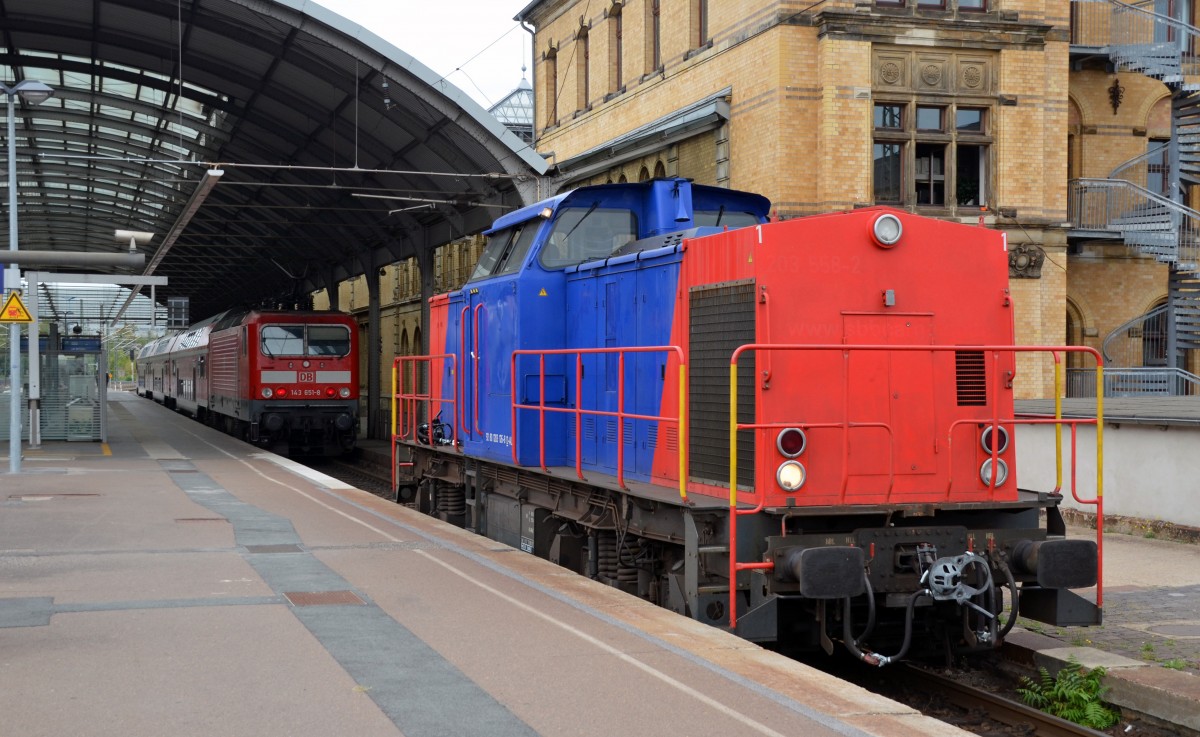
pixel 1138 37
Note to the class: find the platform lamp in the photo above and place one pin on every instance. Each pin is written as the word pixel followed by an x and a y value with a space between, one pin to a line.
pixel 33 93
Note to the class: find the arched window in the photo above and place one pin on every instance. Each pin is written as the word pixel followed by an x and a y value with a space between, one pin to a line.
pixel 1154 337
pixel 582 64
pixel 405 374
pixel 616 47
pixel 550 85
pixel 653 36
pixel 644 174
pixel 699 23
pixel 1158 138
pixel 660 171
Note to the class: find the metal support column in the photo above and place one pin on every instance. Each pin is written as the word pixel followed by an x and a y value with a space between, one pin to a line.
pixel 375 428
pixel 428 281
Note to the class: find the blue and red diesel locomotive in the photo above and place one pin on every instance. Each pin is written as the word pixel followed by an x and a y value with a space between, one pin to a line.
pixel 270 377
pixel 801 430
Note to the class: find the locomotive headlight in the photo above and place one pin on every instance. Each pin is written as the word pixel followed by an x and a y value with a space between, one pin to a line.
pixel 266 392
pixel 887 230
pixel 985 472
pixel 791 475
pixel 344 392
pixel 791 442
pixel 985 439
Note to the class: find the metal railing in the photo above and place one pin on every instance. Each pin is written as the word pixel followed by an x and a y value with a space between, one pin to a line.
pixel 1146 221
pixel 416 394
pixel 1131 343
pixel 1134 382
pixel 1137 38
pixel 578 411
pixel 993 352
pixel 1137 169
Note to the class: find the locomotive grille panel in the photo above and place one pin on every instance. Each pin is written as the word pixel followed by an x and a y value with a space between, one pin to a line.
pixel 722 321
pixel 971 376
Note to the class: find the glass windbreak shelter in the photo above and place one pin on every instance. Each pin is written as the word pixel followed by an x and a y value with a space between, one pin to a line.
pixel 6 393
pixel 73 386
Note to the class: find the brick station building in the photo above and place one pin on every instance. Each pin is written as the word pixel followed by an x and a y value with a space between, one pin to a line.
pixel 969 110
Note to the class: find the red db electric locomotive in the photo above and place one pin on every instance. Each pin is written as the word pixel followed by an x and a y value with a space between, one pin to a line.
pixel 271 377
pixel 802 431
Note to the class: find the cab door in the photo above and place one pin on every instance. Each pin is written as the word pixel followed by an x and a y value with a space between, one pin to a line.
pixel 893 389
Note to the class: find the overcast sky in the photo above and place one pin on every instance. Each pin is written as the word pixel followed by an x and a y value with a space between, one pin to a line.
pixel 475 44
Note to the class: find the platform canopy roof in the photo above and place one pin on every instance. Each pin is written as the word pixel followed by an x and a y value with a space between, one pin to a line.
pixel 271 147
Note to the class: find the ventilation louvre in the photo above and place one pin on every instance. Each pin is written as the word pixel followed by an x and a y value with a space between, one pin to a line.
pixel 722 319
pixel 970 378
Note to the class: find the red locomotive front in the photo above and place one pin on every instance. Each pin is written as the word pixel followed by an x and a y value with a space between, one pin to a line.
pixel 302 380
pixel 283 379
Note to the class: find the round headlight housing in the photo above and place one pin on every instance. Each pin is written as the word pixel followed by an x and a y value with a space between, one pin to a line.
pixel 266 392
pixel 344 392
pixel 887 230
pixel 985 472
pixel 791 442
pixel 985 439
pixel 790 475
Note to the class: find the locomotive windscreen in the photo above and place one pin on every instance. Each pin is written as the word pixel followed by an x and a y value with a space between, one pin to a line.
pixel 722 320
pixel 305 340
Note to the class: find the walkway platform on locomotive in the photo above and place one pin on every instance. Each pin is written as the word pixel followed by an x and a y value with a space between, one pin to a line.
pixel 177 581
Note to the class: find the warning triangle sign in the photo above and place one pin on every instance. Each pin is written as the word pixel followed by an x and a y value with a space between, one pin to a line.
pixel 14 310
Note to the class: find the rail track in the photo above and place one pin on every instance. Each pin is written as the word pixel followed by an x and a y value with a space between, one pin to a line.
pixel 980 708
pixel 363 474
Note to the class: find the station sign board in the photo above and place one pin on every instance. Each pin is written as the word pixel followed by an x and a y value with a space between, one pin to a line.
pixel 81 344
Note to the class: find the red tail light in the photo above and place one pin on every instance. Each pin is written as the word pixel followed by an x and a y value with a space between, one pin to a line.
pixel 281 392
pixel 330 392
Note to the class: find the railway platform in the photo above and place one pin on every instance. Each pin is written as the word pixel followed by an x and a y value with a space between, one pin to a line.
pixel 1150 640
pixel 176 581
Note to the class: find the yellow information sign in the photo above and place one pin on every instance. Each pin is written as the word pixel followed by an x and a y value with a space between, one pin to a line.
pixel 14 310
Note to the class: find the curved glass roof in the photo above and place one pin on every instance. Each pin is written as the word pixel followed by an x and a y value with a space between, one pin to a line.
pixel 272 148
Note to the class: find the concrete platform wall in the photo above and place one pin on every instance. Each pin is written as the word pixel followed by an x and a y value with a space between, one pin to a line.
pixel 1150 471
